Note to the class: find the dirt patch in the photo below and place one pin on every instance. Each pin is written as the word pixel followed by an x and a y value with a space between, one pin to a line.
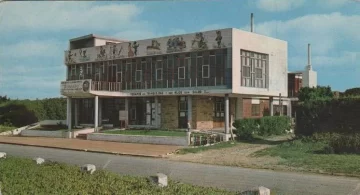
pixel 239 155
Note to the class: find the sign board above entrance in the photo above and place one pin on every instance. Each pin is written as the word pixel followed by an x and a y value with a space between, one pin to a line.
pixel 164 45
pixel 180 92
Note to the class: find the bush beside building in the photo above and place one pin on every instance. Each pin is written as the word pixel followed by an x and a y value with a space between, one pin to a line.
pixel 24 112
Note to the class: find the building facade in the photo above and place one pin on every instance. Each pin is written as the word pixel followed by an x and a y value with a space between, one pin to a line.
pixel 202 79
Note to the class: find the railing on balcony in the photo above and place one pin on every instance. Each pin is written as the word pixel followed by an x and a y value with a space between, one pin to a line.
pixel 105 86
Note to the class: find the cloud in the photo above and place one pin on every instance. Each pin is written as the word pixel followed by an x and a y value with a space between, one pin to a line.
pixel 279 6
pixel 316 29
pixel 59 16
pixel 333 3
pixel 212 27
pixel 349 58
pixel 34 48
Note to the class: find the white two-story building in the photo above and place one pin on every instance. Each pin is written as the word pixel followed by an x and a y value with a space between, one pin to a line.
pixel 203 79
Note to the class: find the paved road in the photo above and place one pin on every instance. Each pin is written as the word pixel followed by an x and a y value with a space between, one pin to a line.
pixel 230 178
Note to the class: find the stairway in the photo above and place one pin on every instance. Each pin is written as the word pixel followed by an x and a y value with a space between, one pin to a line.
pixel 82 136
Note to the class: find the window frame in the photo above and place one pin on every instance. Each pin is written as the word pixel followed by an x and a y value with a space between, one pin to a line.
pixel 254 68
pixel 183 71
pixel 136 76
pixel 255 110
pixel 208 71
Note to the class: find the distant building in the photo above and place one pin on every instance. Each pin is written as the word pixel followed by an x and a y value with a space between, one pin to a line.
pixel 205 79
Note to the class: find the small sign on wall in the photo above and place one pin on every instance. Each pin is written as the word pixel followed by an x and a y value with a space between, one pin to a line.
pixel 75 87
pixel 123 115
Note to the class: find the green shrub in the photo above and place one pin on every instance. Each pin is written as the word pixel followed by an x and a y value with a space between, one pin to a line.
pixel 330 115
pixel 265 126
pixel 346 143
pixel 274 125
pixel 245 128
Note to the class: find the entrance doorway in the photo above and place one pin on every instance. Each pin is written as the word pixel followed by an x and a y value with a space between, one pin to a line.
pixel 183 108
pixel 142 111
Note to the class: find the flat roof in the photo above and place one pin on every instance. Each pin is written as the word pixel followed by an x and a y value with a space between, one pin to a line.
pixel 97 37
pixel 295 72
pixel 119 40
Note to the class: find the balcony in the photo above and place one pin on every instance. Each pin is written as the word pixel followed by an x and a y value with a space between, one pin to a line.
pixel 105 86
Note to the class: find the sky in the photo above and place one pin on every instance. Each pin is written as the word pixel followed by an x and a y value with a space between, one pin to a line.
pixel 34 35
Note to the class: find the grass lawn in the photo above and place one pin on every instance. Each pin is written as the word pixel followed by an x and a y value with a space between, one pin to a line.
pixel 310 157
pixel 205 148
pixel 23 176
pixel 6 128
pixel 148 132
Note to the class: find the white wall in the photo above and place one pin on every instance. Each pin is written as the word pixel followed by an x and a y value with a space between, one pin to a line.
pixel 278 66
pixel 309 78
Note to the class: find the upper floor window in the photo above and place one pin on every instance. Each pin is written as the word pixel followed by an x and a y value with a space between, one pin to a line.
pixel 254 69
pixel 138 76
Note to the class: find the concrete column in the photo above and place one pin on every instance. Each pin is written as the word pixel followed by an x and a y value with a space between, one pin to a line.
pixel 227 131
pixel 100 111
pixel 157 112
pixel 189 111
pixel 68 115
pixel 127 110
pixel 289 108
pixel 76 101
pixel 271 106
pixel 239 108
pixel 96 118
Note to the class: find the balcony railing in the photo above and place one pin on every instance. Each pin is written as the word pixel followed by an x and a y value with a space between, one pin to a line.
pixel 105 86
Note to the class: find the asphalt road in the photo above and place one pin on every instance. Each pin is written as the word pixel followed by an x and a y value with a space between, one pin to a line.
pixel 231 178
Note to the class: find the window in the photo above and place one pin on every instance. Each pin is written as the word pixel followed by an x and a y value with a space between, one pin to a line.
pixel 253 69
pixel 73 70
pixel 159 75
pixel 119 77
pixel 205 71
pixel 159 70
pixel 89 69
pixel 219 107
pixel 138 76
pixel 181 71
pixel 133 113
pixel 255 109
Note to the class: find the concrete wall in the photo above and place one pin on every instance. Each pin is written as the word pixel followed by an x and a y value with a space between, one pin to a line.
pixel 39 133
pixel 52 122
pixel 99 42
pixel 277 68
pixel 83 131
pixel 162 140
pixel 169 112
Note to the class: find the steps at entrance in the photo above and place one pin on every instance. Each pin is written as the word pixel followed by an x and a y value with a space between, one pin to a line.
pixel 82 136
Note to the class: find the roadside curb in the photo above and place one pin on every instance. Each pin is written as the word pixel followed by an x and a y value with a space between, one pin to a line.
pixel 86 150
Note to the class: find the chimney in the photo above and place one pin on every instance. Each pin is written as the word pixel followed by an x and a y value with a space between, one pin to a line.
pixel 252 22
pixel 309 57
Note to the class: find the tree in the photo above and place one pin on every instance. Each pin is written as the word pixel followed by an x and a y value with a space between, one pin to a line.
pixel 315 93
pixel 352 92
pixel 4 99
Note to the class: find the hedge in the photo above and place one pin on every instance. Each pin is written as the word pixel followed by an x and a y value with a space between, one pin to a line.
pixel 265 126
pixel 334 115
pixel 348 144
pixel 24 112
